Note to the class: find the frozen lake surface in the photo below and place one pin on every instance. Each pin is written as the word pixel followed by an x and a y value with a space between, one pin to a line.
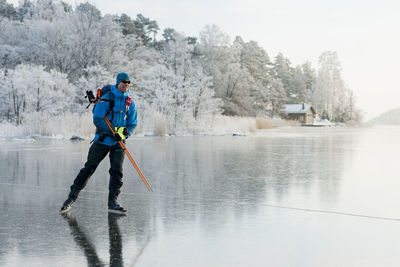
pixel 283 197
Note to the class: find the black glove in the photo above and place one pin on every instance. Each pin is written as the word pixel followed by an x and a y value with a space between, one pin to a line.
pixel 117 137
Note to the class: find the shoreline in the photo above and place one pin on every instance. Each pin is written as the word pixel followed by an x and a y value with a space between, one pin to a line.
pixel 254 132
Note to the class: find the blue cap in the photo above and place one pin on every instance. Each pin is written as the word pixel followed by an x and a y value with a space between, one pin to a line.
pixel 122 76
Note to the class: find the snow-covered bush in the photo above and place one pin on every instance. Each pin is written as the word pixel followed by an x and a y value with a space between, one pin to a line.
pixel 43 124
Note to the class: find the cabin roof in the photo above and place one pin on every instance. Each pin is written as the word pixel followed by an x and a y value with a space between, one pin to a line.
pixel 297 108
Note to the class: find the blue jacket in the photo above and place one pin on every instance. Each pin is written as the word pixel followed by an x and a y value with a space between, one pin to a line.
pixel 121 118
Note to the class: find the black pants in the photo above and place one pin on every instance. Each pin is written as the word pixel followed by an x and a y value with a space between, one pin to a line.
pixel 97 153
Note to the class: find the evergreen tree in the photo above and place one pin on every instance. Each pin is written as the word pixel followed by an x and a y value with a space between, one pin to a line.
pixel 24 10
pixel 127 24
pixel 309 79
pixel 7 10
pixel 146 29
pixel 256 60
pixel 283 71
pixel 297 86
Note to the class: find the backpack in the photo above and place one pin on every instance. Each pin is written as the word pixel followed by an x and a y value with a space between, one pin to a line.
pixel 102 92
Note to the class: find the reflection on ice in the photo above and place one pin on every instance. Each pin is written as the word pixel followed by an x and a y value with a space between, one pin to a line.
pixel 215 202
pixel 83 241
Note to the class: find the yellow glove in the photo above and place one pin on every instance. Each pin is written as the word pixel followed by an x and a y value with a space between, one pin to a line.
pixel 122 132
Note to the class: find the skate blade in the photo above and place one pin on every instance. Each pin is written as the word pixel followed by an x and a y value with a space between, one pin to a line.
pixel 117 212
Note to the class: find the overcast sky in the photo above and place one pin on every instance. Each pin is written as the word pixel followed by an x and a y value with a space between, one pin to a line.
pixel 364 33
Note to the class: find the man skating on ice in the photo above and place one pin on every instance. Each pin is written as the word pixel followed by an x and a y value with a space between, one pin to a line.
pixel 122 114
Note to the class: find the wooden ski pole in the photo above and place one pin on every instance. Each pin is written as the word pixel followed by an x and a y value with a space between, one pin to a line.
pixel 129 157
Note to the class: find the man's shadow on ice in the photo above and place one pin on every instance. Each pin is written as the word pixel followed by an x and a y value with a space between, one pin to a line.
pixel 86 245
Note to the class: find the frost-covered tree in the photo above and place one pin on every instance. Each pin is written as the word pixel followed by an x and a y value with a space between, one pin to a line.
pixel 202 97
pixel 11 51
pixel 90 11
pixel 96 42
pixel 68 41
pixel 177 87
pixel 156 84
pixel 232 83
pixel 214 45
pixel 95 77
pixel 47 10
pixel 327 84
pixel 331 97
pixel 5 106
pixel 48 42
pixel 32 89
pixel 13 97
